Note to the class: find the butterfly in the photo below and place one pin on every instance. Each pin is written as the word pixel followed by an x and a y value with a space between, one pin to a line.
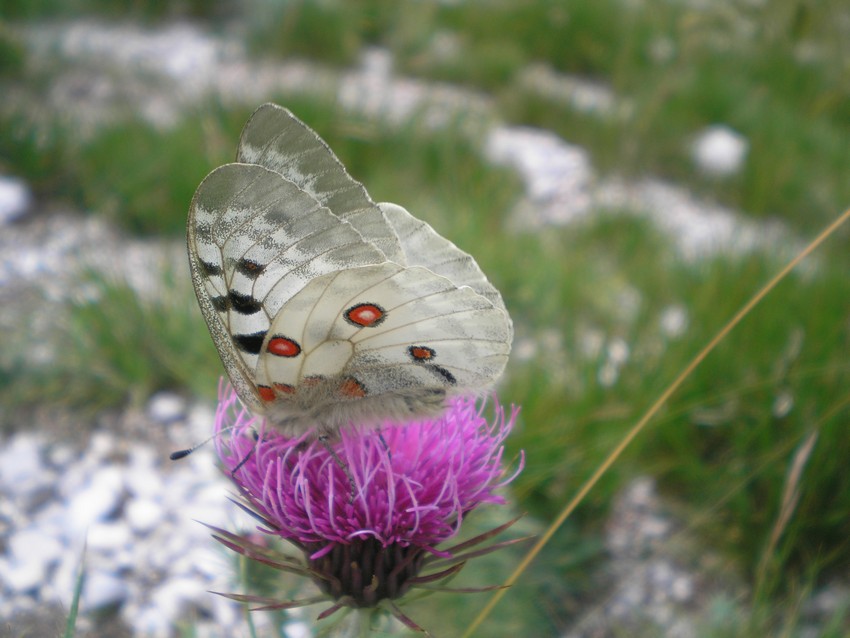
pixel 326 308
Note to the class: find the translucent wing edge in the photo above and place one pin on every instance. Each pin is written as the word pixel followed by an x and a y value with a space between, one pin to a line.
pixel 234 366
pixel 406 227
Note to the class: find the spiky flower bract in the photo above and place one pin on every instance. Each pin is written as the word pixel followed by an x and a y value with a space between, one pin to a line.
pixel 370 509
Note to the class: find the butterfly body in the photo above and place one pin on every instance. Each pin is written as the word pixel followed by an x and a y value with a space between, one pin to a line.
pixel 326 308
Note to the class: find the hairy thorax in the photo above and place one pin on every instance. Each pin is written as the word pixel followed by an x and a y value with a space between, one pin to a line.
pixel 327 405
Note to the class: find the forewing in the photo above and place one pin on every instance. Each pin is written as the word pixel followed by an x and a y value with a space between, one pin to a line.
pixel 278 140
pixel 256 239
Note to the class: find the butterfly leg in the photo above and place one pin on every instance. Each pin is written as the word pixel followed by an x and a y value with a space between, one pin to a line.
pixel 384 443
pixel 247 456
pixel 324 439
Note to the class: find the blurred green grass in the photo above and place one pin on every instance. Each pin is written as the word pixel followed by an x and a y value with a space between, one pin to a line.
pixel 726 442
pixel 775 72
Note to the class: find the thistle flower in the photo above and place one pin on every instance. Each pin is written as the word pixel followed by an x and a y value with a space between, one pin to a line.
pixel 370 516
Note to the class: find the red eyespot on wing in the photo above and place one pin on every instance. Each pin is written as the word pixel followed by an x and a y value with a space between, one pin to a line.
pixel 365 315
pixel 265 392
pixel 352 388
pixel 421 353
pixel 283 347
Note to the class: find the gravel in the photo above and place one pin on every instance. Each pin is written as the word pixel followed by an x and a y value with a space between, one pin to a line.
pixel 129 515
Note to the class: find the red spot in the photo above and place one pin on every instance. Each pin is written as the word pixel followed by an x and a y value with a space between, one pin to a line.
pixel 265 392
pixel 422 353
pixel 352 388
pixel 283 347
pixel 284 388
pixel 365 314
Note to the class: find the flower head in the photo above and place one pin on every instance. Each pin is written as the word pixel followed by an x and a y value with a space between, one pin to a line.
pixel 369 509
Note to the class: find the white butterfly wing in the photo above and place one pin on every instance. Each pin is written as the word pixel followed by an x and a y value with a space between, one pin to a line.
pixel 278 140
pixel 423 246
pixel 325 307
pixel 255 239
pixel 372 342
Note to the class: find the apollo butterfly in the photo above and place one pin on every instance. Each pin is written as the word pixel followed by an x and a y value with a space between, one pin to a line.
pixel 326 308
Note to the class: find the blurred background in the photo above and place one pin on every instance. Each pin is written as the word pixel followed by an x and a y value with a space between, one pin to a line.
pixel 627 172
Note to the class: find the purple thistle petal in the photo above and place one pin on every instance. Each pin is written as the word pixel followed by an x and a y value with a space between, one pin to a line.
pixel 413 482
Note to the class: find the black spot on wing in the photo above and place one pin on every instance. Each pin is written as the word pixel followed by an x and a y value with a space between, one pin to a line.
pixel 252 343
pixel 210 270
pixel 243 304
pixel 222 304
pixel 447 376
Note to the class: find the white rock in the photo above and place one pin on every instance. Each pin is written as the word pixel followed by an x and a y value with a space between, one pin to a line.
pixel 210 560
pixel 783 403
pixel 15 198
pixel 52 520
pixel 144 482
pixel 108 537
pixel 96 501
pixel 124 558
pixel 63 579
pixel 201 419
pixel 206 470
pixel 101 589
pixel 172 597
pixel 699 229
pixel 161 550
pixel 229 613
pixel 674 321
pixel 144 514
pixel 148 621
pixel 297 629
pixel 74 478
pixel 209 514
pixel 102 444
pixel 618 351
pixel 143 457
pixel 719 151
pixel 591 342
pixel 166 407
pixel 61 455
pixel 182 564
pixel 33 545
pixel 557 176
pixel 546 163
pixel 22 577
pixel 682 588
pixel 20 463
pixel 654 528
pixel 579 93
pixel 10 513
pixel 184 589
pixel 608 374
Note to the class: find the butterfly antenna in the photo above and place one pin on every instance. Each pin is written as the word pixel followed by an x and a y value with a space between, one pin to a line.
pixel 182 454
pixel 324 440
